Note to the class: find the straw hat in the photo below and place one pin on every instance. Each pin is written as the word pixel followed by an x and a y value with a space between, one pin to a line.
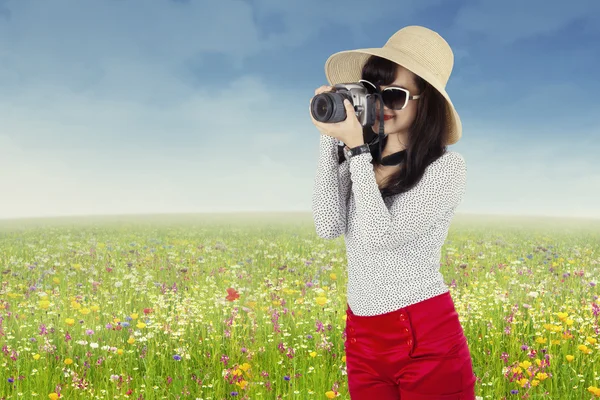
pixel 416 48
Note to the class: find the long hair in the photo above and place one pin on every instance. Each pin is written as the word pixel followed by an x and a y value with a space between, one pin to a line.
pixel 427 134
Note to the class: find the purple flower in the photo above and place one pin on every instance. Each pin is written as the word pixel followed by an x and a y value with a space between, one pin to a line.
pixel 11 380
pixel 287 377
pixel 514 391
pixel 177 357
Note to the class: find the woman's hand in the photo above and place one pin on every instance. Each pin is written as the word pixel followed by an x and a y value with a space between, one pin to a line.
pixel 349 131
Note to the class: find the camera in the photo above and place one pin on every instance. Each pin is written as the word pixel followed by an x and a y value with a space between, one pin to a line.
pixel 329 106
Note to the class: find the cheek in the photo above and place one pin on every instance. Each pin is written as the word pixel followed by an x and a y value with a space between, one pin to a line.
pixel 406 117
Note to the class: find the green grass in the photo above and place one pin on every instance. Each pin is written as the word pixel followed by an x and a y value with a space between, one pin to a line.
pixel 510 278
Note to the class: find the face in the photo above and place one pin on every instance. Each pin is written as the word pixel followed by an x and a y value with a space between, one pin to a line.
pixel 401 120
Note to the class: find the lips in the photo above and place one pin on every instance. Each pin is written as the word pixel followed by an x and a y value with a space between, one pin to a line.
pixel 386 117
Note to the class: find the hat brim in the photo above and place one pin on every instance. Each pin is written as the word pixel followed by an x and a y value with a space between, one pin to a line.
pixel 346 66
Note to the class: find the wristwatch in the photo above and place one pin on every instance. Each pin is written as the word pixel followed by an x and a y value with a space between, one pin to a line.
pixel 351 152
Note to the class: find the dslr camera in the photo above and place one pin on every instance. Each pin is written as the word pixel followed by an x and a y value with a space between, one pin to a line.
pixel 329 106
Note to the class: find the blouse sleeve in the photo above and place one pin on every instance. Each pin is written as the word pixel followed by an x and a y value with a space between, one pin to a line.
pixel 331 190
pixel 412 213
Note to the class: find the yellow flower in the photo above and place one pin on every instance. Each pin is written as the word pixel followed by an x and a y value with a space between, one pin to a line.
pixel 77 266
pixel 569 322
pixel 242 383
pixel 68 361
pixel 300 300
pixel 120 351
pixel 584 348
pixel 594 390
pixel 36 356
pixel 535 382
pixel 85 311
pixel 75 305
pixel 70 321
pixel 569 358
pixel 321 300
pixel 134 316
pixel 312 354
pixel 343 358
pixel 140 325
pixel 541 376
pixel 244 367
pixel 525 364
pixel 53 396
pixel 522 382
pixel 333 276
pixel 330 394
pixel 131 340
pixel 562 315
pixel 94 308
pixel 56 280
pixel 541 340
pixel 591 340
pixel 517 370
pixel 44 304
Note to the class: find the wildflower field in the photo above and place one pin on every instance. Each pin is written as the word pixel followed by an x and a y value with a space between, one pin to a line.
pixel 225 307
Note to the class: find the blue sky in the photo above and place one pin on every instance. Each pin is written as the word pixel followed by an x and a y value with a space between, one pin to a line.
pixel 136 106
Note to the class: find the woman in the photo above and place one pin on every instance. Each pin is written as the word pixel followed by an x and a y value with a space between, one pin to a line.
pixel 403 336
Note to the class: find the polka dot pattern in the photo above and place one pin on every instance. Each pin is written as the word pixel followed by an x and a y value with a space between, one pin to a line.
pixel 393 244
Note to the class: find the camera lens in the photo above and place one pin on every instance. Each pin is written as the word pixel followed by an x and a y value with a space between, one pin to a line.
pixel 322 107
pixel 329 107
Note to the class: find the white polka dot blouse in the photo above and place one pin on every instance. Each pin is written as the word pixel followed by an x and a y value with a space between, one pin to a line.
pixel 393 244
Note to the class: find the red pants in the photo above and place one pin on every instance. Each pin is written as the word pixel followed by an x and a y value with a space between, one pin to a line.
pixel 418 352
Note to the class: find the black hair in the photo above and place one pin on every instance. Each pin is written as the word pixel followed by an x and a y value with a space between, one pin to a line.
pixel 427 134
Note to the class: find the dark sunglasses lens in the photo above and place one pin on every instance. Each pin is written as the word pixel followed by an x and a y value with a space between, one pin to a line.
pixel 394 99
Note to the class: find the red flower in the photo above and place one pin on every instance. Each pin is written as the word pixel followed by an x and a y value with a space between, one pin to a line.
pixel 233 294
pixel 148 311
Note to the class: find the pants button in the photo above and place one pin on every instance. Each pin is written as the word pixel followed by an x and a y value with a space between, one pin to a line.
pixel 406 330
pixel 402 317
pixel 409 342
pixel 352 330
pixel 353 340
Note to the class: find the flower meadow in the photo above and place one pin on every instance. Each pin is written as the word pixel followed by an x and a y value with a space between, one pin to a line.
pixel 206 307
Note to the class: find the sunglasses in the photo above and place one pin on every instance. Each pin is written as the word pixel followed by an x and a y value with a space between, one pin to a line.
pixel 394 98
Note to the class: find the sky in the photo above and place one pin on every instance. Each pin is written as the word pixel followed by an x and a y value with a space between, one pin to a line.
pixel 164 106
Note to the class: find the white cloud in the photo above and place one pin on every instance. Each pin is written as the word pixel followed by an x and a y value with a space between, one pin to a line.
pixel 80 154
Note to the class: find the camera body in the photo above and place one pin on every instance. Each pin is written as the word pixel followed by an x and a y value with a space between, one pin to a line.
pixel 329 106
